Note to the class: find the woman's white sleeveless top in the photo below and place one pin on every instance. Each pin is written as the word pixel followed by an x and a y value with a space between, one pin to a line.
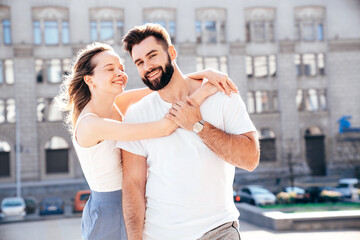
pixel 101 163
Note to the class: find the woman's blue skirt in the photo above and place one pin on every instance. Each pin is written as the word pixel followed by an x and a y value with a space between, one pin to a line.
pixel 102 217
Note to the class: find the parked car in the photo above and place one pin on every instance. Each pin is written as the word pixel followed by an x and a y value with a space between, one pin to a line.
pixel 257 195
pixel 236 196
pixel 323 194
pixel 13 206
pixel 30 204
pixel 299 193
pixel 51 205
pixel 348 187
pixel 80 200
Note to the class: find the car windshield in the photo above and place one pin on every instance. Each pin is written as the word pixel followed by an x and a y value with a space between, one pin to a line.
pixel 84 197
pixel 259 191
pixel 51 201
pixel 343 185
pixel 12 204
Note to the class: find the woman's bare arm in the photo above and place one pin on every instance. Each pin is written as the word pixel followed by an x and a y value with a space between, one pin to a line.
pixel 124 100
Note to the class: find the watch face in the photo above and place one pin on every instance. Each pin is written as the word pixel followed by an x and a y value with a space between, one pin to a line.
pixel 198 127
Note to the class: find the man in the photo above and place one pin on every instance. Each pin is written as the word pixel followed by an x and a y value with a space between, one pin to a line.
pixel 180 186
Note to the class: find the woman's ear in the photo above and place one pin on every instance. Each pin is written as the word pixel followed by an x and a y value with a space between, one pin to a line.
pixel 172 52
pixel 88 81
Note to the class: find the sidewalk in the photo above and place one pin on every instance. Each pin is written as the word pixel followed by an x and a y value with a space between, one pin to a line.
pixel 252 232
pixel 69 229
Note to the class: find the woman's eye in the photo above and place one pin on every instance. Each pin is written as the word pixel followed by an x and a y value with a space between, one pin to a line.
pixel 110 69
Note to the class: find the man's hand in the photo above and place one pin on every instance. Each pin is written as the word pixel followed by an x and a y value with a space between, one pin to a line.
pixel 185 114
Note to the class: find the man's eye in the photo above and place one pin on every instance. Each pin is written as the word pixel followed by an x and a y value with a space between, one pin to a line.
pixel 152 56
pixel 110 69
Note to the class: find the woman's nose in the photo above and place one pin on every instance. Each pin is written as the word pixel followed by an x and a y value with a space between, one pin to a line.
pixel 119 72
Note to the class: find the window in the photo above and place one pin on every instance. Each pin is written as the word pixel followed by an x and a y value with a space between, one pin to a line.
pixel 106 24
pixel 5 25
pixel 164 17
pixel 4 159
pixel 311 100
pixel 262 101
pixel 39 65
pixel 7 71
pixel 2 111
pixel 259 25
pixel 210 25
pixel 6 31
pixel 261 66
pixel 54 69
pixel 7 110
pixel 250 102
pixel 57 160
pixel 309 23
pixel 37 33
pixel 268 145
pixel 51 26
pixel 218 63
pixel 310 64
pixel 51 32
pixel 65 32
pixel 47 110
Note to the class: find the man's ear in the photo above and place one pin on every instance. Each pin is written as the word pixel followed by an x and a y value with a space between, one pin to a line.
pixel 172 52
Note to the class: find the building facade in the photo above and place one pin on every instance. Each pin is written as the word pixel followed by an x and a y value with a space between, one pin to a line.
pixel 296 64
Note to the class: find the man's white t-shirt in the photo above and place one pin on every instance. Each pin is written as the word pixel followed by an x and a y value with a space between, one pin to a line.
pixel 189 188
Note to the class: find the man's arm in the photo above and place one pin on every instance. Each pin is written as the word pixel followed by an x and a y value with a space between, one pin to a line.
pixel 133 189
pixel 240 150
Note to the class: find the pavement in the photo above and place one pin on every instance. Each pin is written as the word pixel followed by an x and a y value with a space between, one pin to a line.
pixel 69 229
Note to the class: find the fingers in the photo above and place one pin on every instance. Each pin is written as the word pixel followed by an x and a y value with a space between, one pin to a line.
pixel 172 118
pixel 226 88
pixel 231 85
pixel 219 86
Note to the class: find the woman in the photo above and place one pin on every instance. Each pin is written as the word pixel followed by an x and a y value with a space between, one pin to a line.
pixel 90 92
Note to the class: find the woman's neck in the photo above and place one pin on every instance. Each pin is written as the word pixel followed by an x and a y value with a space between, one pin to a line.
pixel 102 106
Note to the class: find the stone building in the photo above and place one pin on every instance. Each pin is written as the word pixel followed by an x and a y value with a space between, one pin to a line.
pixel 296 63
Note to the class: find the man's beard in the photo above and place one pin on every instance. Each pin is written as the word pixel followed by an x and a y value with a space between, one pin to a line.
pixel 159 83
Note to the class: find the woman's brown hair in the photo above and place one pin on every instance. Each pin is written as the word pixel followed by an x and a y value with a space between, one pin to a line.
pixel 74 92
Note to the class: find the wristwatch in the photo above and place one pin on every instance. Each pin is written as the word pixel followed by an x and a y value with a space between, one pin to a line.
pixel 198 126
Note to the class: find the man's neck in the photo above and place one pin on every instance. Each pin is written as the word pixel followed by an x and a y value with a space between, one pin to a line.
pixel 177 89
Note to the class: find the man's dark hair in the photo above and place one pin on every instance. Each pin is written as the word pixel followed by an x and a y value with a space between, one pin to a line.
pixel 139 33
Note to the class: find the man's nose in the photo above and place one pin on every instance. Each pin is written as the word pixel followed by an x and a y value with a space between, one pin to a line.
pixel 148 66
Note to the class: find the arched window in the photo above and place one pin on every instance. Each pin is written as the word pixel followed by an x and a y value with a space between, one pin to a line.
pixel 106 24
pixel 309 23
pixel 164 17
pixel 57 157
pixel 4 159
pixel 268 145
pixel 260 24
pixel 51 26
pixel 210 25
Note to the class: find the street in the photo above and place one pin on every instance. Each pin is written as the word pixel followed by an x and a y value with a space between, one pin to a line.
pixel 69 229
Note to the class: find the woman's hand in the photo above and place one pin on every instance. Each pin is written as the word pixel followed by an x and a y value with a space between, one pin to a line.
pixel 169 125
pixel 217 78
